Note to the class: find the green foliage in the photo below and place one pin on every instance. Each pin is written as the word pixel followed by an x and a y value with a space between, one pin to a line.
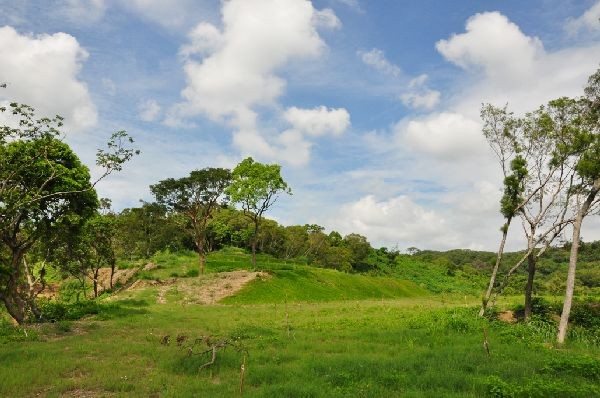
pixel 255 185
pixel 514 186
pixel 585 314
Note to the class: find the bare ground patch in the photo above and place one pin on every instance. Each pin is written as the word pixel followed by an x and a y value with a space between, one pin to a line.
pixel 205 289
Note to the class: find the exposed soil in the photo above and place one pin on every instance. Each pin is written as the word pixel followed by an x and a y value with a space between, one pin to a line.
pixel 507 316
pixel 205 289
pixel 121 276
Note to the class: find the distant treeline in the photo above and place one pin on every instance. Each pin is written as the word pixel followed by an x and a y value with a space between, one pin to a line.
pixel 145 230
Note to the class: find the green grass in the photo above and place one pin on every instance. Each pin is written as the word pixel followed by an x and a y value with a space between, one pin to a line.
pixel 408 347
pixel 312 284
pixel 308 332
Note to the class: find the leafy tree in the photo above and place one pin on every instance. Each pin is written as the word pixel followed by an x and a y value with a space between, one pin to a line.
pixel 195 197
pixel 43 188
pixel 360 249
pixel 256 187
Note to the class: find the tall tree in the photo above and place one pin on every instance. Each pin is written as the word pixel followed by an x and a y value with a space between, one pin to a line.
pixel 256 187
pixel 195 197
pixel 43 188
pixel 584 143
pixel 500 130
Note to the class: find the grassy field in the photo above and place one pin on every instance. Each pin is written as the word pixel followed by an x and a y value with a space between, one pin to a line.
pixel 399 340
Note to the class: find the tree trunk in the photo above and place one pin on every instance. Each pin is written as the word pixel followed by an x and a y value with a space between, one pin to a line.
pixel 531 263
pixel 201 255
pixel 96 271
pixel 254 238
pixel 11 297
pixel 564 317
pixel 112 273
pixel 14 304
pixel 488 293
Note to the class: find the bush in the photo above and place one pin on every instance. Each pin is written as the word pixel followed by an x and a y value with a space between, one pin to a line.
pixel 586 315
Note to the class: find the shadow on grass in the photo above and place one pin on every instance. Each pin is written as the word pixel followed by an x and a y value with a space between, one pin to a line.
pixel 55 311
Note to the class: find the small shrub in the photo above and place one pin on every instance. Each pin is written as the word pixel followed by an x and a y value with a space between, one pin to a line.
pixel 585 367
pixel 64 326
pixel 586 315
pixel 192 273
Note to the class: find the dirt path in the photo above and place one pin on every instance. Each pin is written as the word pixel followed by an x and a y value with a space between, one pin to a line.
pixel 206 289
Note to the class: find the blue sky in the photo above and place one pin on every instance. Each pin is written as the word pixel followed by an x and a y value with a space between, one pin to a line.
pixel 371 107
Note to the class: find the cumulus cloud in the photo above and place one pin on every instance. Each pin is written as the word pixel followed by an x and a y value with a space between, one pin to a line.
pixel 43 71
pixel 396 220
pixel 375 58
pixel 148 110
pixel 588 21
pixel 496 45
pixel 318 121
pixel 236 72
pixel 442 136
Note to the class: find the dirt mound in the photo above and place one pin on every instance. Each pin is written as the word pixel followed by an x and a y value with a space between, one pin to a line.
pixel 121 276
pixel 507 316
pixel 205 289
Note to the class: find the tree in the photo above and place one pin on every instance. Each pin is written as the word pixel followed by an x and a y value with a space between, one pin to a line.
pixel 256 187
pixel 584 144
pixel 500 128
pixel 43 188
pixel 195 197
pixel 536 189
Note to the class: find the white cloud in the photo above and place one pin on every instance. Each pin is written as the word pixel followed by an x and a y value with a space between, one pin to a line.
pixel 376 59
pixel 427 99
pixel 42 71
pixel 496 45
pixel 238 71
pixel 148 110
pixel 396 220
pixel 590 21
pixel 204 39
pixel 318 121
pixel 442 136
pixel 326 18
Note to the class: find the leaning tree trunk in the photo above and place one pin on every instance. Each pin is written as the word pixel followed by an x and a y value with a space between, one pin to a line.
pixel 564 317
pixel 531 263
pixel 15 305
pixel 488 293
